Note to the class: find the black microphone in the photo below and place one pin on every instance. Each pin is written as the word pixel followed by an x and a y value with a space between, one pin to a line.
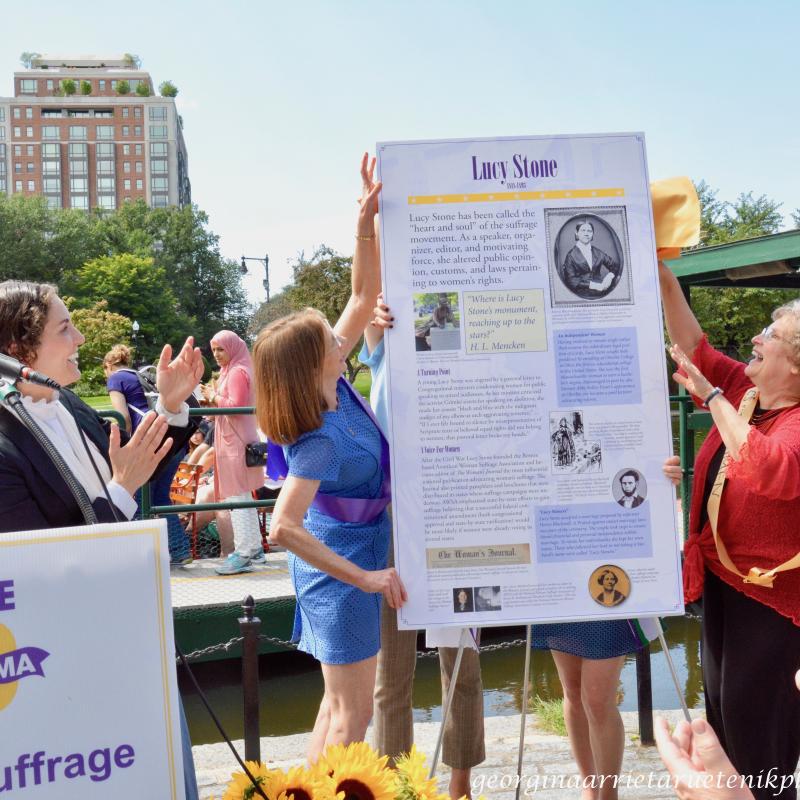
pixel 14 371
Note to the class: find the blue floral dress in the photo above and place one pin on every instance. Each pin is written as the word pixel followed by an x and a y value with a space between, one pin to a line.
pixel 334 621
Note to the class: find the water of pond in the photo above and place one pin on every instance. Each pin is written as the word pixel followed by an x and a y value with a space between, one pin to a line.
pixel 291 684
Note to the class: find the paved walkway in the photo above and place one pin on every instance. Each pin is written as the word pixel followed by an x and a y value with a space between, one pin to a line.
pixel 547 761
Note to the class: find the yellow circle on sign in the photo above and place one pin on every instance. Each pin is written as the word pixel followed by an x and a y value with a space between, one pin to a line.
pixel 7 644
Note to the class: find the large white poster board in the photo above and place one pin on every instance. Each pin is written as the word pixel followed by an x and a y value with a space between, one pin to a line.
pixel 529 408
pixel 88 692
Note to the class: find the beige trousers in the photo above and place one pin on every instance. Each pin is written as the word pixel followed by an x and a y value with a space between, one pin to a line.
pixel 463 745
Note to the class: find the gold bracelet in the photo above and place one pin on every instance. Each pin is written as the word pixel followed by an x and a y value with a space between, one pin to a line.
pixel 365 238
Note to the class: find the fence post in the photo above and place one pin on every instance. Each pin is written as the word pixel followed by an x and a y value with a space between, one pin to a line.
pixel 644 692
pixel 250 626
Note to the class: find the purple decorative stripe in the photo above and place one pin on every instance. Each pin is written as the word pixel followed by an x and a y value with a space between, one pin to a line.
pixel 345 509
pixel 21 663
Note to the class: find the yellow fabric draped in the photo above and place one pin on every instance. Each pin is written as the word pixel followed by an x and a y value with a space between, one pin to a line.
pixel 676 214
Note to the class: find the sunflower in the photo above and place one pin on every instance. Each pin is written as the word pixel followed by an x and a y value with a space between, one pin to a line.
pixel 300 783
pixel 241 788
pixel 412 778
pixel 357 772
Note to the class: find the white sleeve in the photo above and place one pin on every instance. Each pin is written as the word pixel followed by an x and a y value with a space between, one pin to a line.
pixel 122 499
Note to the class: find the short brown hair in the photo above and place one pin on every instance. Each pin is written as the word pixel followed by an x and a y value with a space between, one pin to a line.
pixel 118 356
pixel 24 307
pixel 287 366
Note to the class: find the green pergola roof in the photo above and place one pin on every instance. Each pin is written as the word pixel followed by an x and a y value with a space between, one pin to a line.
pixel 766 261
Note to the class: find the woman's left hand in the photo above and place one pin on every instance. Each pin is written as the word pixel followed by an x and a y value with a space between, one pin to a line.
pixel 693 381
pixel 177 378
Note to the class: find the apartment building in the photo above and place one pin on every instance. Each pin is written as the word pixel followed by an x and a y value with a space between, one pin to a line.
pixel 87 132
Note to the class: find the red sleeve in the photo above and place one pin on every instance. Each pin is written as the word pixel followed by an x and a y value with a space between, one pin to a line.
pixel 770 465
pixel 236 392
pixel 720 370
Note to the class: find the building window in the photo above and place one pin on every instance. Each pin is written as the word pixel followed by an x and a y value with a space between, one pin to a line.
pixel 158 112
pixel 29 131
pixel 137 149
pixel 31 186
pixel 75 150
pixel 51 151
pixel 158 148
pixel 113 86
pixel 78 185
pixel 158 184
pixel 139 184
pixel 29 149
pixel 158 166
pixel 27 86
pixel 102 85
pixel 51 167
pixel 80 201
pixel 107 201
pixel 75 167
pixel 17 113
pixel 17 166
pixel 126 149
pixel 126 184
pixel 50 86
pixel 106 185
pixel 17 186
pixel 126 131
pixel 139 167
pixel 53 201
pixel 158 131
pixel 2 131
pixel 159 201
pixel 137 131
pixel 77 131
pixel 2 114
pixel 30 166
pixel 28 113
pixel 17 132
pixel 137 112
pixel 105 132
pixel 104 150
pixel 126 112
pixel 17 149
pixel 126 166
pixel 50 132
pixel 105 167
pixel 51 185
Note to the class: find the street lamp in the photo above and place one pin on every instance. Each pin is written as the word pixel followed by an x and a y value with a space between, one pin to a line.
pixel 265 262
pixel 134 331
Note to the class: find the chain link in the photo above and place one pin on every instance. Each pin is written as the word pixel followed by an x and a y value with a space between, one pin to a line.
pixel 196 655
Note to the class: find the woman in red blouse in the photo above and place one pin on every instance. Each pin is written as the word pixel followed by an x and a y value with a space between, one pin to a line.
pixel 743 566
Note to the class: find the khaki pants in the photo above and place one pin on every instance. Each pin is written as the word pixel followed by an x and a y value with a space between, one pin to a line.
pixel 463 745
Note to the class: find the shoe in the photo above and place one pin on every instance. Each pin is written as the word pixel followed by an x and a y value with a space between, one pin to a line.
pixel 234 564
pixel 180 561
pixel 258 558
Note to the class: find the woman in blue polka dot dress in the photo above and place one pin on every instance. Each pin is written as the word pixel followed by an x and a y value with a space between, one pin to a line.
pixel 331 513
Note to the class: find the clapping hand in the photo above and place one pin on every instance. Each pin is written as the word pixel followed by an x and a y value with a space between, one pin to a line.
pixel 177 378
pixel 133 464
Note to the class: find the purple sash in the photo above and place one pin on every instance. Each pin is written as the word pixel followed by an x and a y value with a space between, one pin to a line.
pixel 345 509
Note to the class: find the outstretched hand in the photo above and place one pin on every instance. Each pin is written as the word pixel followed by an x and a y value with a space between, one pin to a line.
pixel 693 381
pixel 697 763
pixel 369 197
pixel 177 378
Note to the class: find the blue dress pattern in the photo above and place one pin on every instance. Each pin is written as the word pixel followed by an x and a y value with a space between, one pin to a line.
pixel 334 621
pixel 595 639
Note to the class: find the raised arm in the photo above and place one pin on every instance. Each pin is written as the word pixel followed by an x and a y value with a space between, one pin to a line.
pixel 366 276
pixel 682 326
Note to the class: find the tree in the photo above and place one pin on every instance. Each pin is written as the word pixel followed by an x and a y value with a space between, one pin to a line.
pixel 279 305
pixel 731 316
pixel 123 87
pixel 26 59
pixel 796 217
pixel 168 89
pixel 134 287
pixel 143 89
pixel 86 87
pixel 102 329
pixel 68 86
pixel 132 60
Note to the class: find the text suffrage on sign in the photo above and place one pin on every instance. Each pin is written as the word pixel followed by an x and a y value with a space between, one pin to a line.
pixel 88 694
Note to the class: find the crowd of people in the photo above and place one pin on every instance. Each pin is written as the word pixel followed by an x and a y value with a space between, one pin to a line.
pixel 332 515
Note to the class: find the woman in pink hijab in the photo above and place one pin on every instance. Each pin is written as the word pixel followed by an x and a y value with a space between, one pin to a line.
pixel 232 479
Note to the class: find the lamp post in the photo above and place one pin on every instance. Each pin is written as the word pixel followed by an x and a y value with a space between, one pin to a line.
pixel 265 262
pixel 134 331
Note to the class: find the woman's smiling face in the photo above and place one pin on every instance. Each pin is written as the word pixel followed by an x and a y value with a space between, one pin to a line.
pixel 57 353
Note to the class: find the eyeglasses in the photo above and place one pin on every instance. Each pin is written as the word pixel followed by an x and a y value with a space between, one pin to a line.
pixel 769 333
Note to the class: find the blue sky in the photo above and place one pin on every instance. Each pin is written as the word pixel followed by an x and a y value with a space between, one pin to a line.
pixel 295 92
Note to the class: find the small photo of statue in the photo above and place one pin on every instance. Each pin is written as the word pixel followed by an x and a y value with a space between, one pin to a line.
pixel 437 321
pixel 570 452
